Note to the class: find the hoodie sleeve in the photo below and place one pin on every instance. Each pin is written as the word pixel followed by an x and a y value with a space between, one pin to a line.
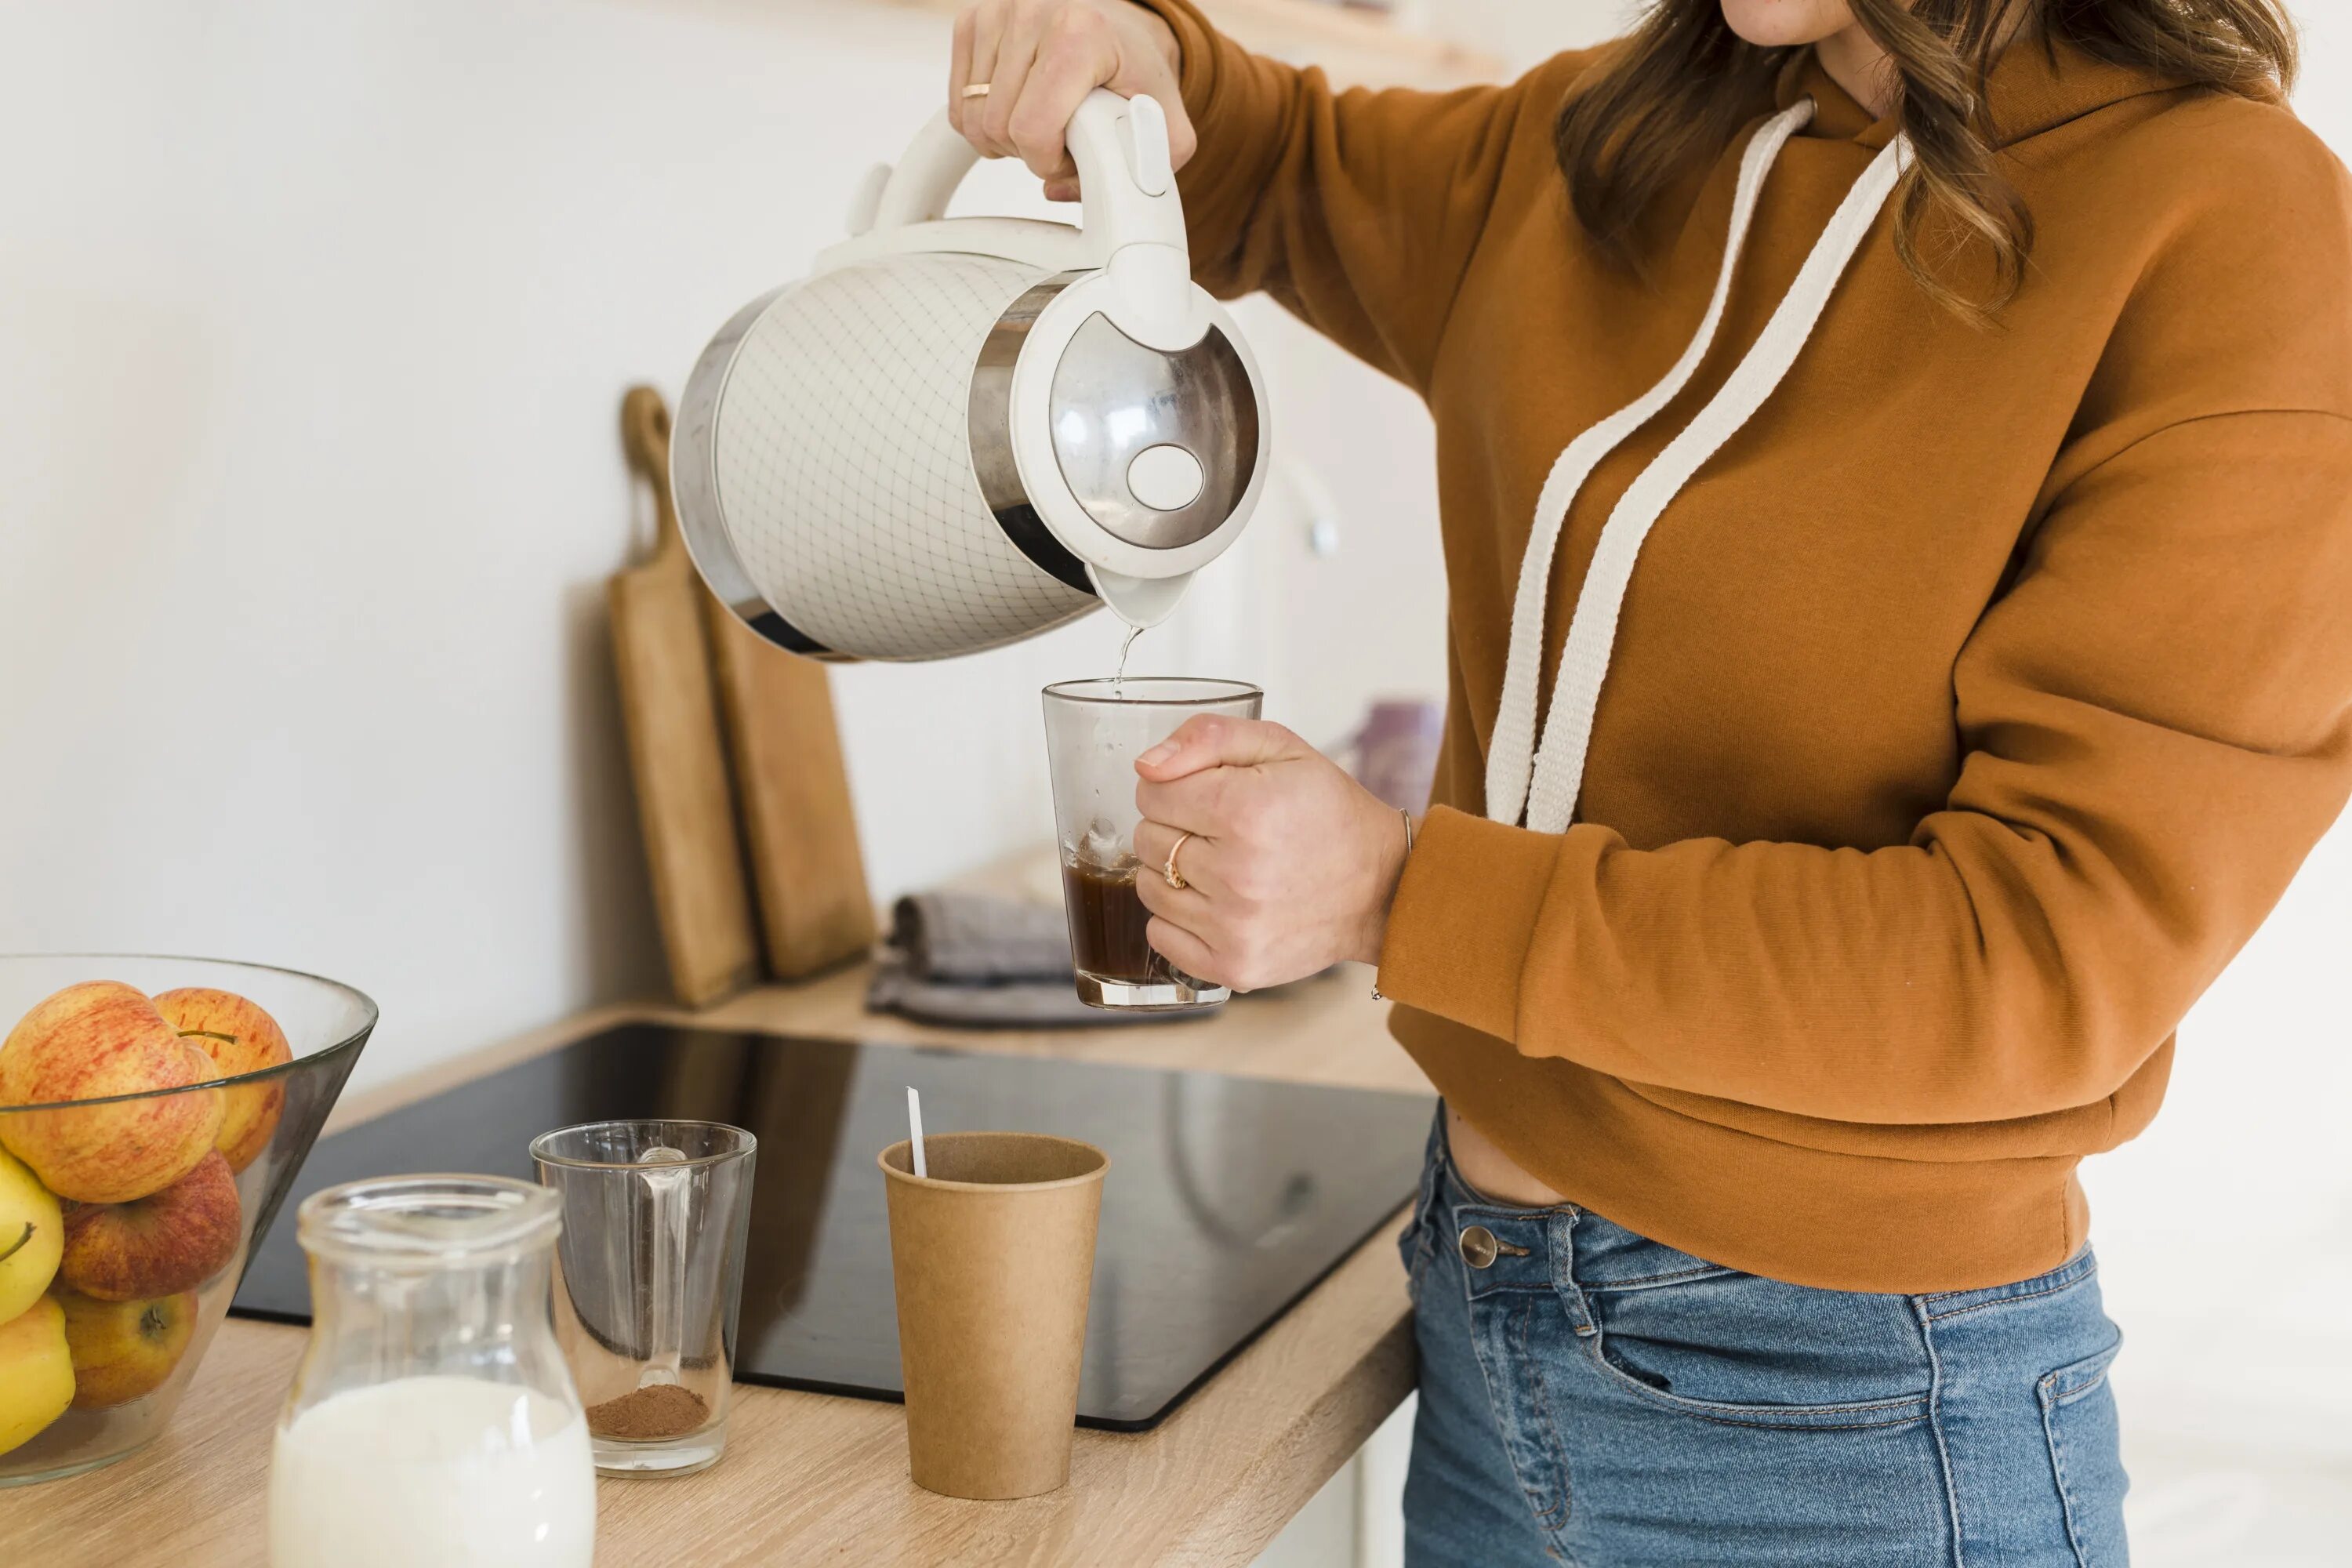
pixel 1357 211
pixel 2158 725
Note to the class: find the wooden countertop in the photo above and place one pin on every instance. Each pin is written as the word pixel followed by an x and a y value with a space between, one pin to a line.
pixel 810 1478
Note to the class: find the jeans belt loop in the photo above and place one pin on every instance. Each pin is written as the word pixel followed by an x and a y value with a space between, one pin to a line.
pixel 1562 1237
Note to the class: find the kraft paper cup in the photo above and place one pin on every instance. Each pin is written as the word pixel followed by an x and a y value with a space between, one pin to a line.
pixel 993 1257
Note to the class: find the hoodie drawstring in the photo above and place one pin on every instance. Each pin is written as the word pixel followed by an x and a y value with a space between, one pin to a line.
pixel 1557 766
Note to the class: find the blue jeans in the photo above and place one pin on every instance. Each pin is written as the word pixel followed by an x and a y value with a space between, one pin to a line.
pixel 1590 1397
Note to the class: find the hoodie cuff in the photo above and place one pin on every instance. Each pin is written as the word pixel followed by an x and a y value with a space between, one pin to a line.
pixel 1197 43
pixel 1464 917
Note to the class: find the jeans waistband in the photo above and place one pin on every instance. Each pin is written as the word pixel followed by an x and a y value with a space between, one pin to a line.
pixel 1563 1247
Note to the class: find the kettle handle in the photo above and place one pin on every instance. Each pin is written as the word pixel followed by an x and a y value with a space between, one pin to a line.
pixel 1127 190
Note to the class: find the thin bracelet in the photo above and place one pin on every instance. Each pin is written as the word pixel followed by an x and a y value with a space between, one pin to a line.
pixel 1408 854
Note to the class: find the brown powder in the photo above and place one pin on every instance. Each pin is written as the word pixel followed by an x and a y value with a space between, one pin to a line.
pixel 650 1415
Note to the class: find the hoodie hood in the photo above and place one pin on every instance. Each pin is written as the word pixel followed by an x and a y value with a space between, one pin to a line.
pixel 2036 86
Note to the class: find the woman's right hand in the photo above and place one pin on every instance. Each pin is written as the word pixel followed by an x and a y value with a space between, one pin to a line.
pixel 1040 58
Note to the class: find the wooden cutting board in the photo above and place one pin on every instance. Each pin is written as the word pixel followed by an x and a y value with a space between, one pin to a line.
pixel 669 706
pixel 807 868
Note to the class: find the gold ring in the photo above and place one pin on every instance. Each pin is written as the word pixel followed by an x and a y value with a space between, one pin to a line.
pixel 1175 879
pixel 976 89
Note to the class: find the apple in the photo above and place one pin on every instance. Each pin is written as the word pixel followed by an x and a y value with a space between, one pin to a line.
pixel 88 1042
pixel 32 1237
pixel 156 1245
pixel 37 1374
pixel 239 1037
pixel 122 1350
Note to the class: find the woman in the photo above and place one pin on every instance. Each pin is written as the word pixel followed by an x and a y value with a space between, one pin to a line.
pixel 1971 383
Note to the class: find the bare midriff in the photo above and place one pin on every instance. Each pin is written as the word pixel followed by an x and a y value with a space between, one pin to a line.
pixel 1489 1170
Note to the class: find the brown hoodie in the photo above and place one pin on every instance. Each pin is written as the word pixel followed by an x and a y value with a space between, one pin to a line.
pixel 1975 698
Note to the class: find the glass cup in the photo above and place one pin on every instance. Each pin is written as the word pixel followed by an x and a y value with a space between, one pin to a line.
pixel 431 1418
pixel 1094 732
pixel 656 1218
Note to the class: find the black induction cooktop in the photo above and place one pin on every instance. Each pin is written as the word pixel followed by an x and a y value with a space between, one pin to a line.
pixel 1228 1198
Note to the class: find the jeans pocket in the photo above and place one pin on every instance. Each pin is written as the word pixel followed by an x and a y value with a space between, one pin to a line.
pixel 2078 1415
pixel 1744 1350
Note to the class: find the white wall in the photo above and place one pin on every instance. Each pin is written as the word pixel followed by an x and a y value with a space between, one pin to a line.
pixel 313 324
pixel 2225 1231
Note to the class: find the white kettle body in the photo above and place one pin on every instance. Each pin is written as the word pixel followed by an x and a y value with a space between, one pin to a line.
pixel 956 433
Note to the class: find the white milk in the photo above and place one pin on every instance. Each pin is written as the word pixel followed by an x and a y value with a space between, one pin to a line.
pixel 433 1472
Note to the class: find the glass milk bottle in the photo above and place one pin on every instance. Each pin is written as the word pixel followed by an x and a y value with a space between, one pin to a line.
pixel 433 1420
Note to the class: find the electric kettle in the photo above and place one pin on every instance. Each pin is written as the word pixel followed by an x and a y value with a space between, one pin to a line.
pixel 956 433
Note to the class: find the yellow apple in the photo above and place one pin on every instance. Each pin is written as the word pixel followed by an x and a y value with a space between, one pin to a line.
pixel 122 1350
pixel 172 1241
pixel 239 1037
pixel 37 1378
pixel 32 1237
pixel 88 1042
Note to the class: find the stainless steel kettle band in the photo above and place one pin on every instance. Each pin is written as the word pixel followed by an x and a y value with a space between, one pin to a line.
pixel 989 421
pixel 694 490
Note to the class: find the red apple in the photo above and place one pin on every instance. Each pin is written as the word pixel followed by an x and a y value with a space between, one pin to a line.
pixel 88 1042
pixel 172 1241
pixel 122 1350
pixel 239 1037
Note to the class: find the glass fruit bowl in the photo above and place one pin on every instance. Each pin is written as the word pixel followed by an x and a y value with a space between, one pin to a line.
pixel 153 1114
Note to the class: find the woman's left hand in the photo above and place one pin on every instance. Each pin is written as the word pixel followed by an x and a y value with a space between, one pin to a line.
pixel 1291 864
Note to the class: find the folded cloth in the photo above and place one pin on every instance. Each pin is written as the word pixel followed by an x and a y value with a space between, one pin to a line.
pixel 1007 1004
pixel 974 939
pixel 972 961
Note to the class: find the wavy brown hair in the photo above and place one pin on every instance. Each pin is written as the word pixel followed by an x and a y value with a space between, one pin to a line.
pixel 1673 93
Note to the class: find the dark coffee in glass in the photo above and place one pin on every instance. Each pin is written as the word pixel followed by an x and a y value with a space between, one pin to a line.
pixel 1107 924
pixel 1094 732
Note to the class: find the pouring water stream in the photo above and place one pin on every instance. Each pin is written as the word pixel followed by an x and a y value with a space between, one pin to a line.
pixel 1118 676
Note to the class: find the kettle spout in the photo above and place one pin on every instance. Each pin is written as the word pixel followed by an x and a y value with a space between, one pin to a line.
pixel 1140 600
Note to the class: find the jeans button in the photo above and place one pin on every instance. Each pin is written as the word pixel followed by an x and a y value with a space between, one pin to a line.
pixel 1478 1246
